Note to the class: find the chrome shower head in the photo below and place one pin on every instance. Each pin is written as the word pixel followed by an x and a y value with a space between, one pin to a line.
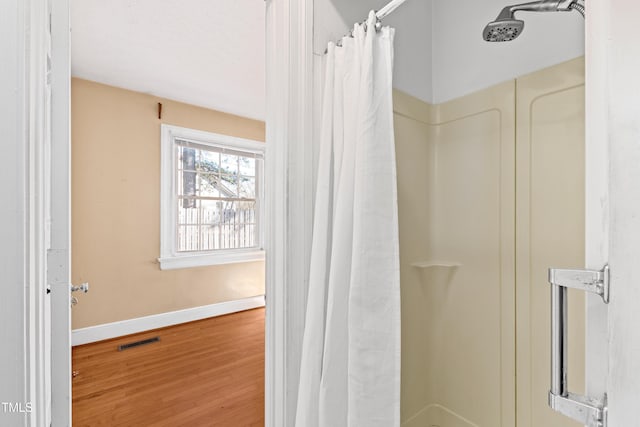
pixel 506 27
pixel 503 30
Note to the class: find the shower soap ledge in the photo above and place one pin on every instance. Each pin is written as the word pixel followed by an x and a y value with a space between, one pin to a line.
pixel 432 264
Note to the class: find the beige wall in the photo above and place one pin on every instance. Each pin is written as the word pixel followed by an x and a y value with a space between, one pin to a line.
pixel 116 202
pixel 550 231
pixel 456 213
pixel 490 195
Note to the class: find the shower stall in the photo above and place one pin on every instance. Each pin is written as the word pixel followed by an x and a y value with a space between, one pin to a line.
pixel 490 176
pixel 491 194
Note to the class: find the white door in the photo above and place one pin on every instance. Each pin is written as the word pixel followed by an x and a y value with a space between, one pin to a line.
pixel 59 259
pixel 613 205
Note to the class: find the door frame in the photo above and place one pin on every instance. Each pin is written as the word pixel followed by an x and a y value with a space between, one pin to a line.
pixel 59 254
pixel 24 121
pixel 288 175
pixel 288 203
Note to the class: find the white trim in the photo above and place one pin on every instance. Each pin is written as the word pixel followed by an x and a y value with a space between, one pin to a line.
pixel 23 124
pixel 59 261
pixel 210 138
pixel 596 189
pixel 201 260
pixel 141 324
pixel 289 174
pixel 39 344
pixel 169 258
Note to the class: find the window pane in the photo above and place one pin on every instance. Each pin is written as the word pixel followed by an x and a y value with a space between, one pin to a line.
pixel 187 158
pixel 211 219
pixel 187 175
pixel 229 185
pixel 208 161
pixel 188 188
pixel 229 164
pixel 227 224
pixel 208 185
pixel 247 187
pixel 250 230
pixel 210 237
pixel 247 166
pixel 188 215
pixel 188 238
pixel 246 224
pixel 210 212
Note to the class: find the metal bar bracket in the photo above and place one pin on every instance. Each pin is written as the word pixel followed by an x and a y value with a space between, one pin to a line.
pixel 594 281
pixel 588 411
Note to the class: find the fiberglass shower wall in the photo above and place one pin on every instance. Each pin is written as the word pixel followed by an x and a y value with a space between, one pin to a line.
pixel 456 200
pixel 491 194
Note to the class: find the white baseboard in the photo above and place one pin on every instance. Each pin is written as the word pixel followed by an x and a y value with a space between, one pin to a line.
pixel 141 324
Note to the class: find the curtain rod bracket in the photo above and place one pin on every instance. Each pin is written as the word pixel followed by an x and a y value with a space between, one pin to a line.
pixel 380 15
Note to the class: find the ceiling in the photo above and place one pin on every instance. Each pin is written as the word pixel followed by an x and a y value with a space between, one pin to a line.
pixel 209 53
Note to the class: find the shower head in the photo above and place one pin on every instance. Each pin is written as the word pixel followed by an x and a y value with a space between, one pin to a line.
pixel 506 27
pixel 502 30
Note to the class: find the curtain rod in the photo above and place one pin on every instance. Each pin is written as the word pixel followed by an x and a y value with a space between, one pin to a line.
pixel 380 15
pixel 388 8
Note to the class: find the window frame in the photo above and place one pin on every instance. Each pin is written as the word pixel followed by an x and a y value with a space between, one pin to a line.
pixel 170 258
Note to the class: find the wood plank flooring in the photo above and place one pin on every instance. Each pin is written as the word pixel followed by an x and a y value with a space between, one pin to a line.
pixel 204 373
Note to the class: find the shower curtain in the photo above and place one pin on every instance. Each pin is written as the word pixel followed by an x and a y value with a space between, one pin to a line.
pixel 350 370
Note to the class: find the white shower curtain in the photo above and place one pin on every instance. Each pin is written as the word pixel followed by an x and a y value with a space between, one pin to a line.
pixel 350 371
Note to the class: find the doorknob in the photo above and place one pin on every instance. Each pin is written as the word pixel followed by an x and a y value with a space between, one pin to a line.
pixel 84 287
pixel 586 410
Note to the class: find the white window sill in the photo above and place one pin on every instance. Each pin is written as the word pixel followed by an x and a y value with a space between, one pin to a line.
pixel 201 260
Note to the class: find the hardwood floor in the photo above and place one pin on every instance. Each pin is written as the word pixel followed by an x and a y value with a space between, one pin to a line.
pixel 204 373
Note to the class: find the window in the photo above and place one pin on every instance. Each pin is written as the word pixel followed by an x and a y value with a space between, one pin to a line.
pixel 211 199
